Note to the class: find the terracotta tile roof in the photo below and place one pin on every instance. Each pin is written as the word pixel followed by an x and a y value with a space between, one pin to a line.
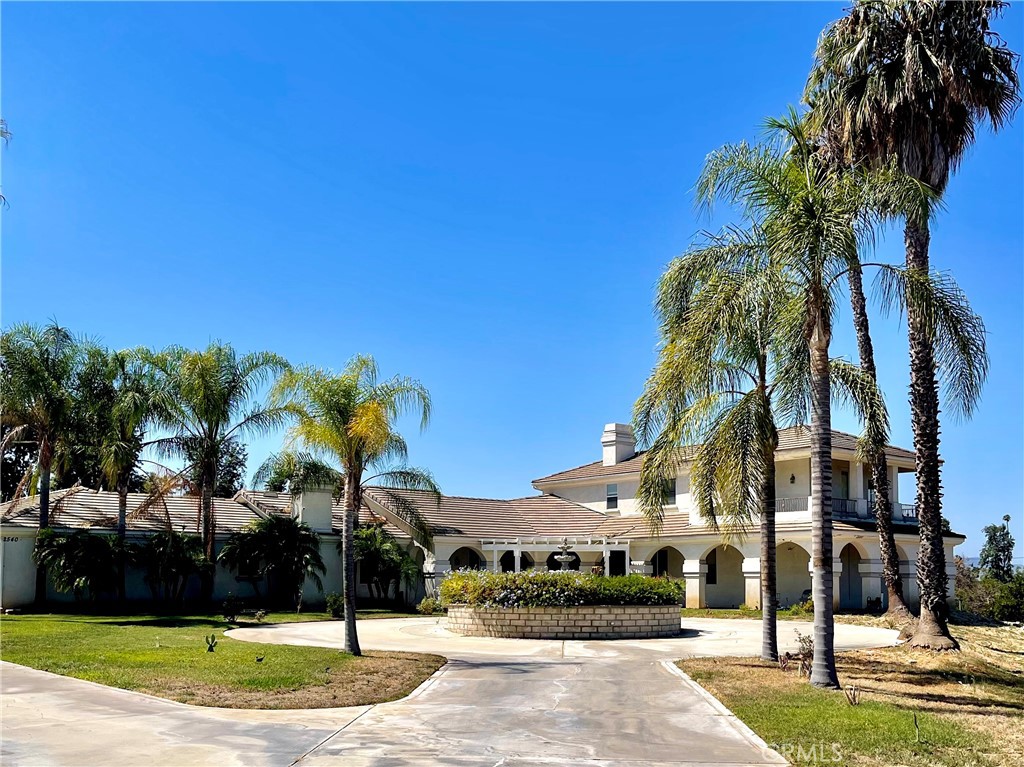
pixel 271 502
pixel 81 507
pixel 674 523
pixel 534 516
pixel 792 438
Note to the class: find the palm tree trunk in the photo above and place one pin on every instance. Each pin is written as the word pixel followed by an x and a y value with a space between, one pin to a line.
pixel 823 666
pixel 769 585
pixel 876 456
pixel 45 467
pixel 932 631
pixel 209 526
pixel 122 514
pixel 352 501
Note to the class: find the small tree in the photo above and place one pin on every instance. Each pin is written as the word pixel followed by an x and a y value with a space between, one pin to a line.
pixel 996 558
pixel 81 563
pixel 281 550
pixel 383 560
pixel 170 560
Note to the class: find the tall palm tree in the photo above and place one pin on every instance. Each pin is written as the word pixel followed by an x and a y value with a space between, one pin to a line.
pixel 814 220
pixel 346 422
pixel 732 365
pixel 874 451
pixel 724 343
pixel 39 373
pixel 205 399
pixel 909 82
pixel 128 399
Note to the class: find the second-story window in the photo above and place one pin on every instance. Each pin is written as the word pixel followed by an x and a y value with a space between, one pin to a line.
pixel 669 493
pixel 611 496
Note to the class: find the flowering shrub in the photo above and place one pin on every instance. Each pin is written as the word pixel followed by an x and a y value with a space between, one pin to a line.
pixel 535 588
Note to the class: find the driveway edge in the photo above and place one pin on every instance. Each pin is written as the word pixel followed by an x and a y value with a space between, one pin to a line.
pixel 771 755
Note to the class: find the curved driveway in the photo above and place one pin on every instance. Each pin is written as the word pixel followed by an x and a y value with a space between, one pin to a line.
pixel 543 702
pixel 497 702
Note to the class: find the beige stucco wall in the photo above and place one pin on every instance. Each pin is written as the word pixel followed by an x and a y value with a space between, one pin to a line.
pixel 17 571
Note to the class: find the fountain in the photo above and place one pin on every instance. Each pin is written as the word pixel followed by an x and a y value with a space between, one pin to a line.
pixel 564 557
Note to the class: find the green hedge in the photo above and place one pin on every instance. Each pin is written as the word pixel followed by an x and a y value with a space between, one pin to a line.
pixel 535 588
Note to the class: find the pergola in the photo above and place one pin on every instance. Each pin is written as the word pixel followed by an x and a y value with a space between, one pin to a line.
pixel 498 546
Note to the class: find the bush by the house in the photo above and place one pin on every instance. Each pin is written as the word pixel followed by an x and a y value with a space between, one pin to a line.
pixel 429 606
pixel 535 588
pixel 81 562
pixel 336 605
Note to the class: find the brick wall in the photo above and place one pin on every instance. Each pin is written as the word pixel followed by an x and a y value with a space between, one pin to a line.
pixel 590 622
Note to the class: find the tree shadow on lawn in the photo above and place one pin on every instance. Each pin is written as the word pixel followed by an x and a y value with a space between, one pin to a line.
pixel 156 621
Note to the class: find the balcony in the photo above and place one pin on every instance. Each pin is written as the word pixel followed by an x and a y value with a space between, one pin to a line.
pixel 847 508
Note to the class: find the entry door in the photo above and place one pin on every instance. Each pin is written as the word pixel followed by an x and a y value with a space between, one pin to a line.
pixel 617 563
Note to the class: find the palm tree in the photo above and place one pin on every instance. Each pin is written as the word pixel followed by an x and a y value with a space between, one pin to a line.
pixel 80 562
pixel 40 366
pixel 281 550
pixel 874 451
pixel 346 423
pixel 383 560
pixel 123 397
pixel 733 363
pixel 909 83
pixel 724 342
pixel 814 220
pixel 205 399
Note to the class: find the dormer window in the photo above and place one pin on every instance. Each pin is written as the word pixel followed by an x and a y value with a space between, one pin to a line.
pixel 611 496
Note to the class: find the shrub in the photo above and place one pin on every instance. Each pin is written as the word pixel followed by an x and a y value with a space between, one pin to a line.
pixel 231 608
pixel 336 605
pixel 1009 602
pixel 536 588
pixel 81 562
pixel 429 606
pixel 801 608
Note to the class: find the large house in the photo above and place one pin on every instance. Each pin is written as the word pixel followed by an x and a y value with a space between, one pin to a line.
pixel 590 508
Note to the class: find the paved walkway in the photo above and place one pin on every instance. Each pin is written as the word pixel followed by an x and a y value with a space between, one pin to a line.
pixel 498 702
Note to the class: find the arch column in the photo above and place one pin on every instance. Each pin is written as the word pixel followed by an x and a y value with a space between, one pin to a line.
pixel 751 569
pixel 695 572
pixel 871 580
pixel 837 573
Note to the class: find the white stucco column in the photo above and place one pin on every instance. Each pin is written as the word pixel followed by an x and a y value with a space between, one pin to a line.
pixel 751 569
pixel 695 572
pixel 433 573
pixel 606 557
pixel 894 485
pixel 837 572
pixel 857 487
pixel 870 580
pixel 517 552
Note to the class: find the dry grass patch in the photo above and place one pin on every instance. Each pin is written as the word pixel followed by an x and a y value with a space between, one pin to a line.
pixel 969 705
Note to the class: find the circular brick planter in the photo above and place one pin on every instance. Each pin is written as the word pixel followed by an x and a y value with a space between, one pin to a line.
pixel 587 622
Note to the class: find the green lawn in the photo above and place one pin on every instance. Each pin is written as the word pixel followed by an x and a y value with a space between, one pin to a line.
pixel 167 656
pixel 969 705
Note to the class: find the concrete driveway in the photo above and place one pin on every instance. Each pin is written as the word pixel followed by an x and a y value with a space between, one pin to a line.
pixel 497 702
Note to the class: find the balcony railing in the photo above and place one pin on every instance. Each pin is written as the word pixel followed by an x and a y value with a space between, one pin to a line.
pixel 848 507
pixel 790 504
pixel 907 510
pixel 844 507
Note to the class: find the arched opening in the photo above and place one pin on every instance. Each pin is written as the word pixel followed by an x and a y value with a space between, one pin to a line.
pixel 667 563
pixel 466 558
pixel 554 564
pixel 850 593
pixel 508 561
pixel 792 576
pixel 725 577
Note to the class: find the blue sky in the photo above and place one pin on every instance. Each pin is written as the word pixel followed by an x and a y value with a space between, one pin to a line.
pixel 481 196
